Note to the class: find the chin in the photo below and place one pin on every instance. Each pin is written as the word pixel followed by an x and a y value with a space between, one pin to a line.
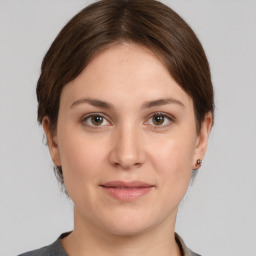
pixel 127 229
pixel 130 222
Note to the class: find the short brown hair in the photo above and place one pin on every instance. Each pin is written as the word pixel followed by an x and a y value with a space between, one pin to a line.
pixel 146 22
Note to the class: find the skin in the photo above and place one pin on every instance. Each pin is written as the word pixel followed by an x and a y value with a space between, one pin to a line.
pixel 127 146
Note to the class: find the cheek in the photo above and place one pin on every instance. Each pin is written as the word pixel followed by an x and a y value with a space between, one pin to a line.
pixel 174 153
pixel 173 162
pixel 81 158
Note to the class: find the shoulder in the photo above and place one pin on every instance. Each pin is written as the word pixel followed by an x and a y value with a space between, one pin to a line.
pixel 184 249
pixel 193 254
pixel 54 249
pixel 44 251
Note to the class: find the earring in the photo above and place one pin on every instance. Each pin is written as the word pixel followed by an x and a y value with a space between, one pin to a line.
pixel 199 162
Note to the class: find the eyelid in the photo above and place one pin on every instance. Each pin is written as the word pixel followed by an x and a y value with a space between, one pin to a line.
pixel 168 116
pixel 87 116
pixel 110 122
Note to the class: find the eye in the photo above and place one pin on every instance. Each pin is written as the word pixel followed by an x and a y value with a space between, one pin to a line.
pixel 96 120
pixel 159 119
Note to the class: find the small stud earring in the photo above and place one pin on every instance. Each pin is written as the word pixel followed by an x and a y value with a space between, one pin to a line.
pixel 199 162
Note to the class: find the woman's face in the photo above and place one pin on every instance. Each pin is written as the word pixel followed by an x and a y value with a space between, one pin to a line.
pixel 126 140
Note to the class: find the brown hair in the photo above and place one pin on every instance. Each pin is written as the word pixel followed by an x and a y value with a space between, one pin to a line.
pixel 146 22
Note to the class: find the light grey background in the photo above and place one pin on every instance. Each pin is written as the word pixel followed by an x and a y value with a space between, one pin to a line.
pixel 217 216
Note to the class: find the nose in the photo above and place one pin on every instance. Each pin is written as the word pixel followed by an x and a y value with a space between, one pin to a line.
pixel 127 148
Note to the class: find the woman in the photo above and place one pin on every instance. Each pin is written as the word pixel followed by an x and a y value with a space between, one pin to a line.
pixel 126 101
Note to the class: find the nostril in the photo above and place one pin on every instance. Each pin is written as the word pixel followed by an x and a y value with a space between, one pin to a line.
pixel 127 166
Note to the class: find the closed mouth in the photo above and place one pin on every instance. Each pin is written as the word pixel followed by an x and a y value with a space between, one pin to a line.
pixel 126 185
pixel 127 191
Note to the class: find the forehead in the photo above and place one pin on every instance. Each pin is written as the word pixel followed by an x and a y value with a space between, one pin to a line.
pixel 127 69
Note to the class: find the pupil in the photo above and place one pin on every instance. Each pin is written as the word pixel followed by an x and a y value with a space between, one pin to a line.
pixel 97 120
pixel 158 120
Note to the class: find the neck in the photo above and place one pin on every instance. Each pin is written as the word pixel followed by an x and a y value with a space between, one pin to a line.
pixel 86 239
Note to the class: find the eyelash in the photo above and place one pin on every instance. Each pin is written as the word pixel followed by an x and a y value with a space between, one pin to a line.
pixel 89 116
pixel 161 114
pixel 167 117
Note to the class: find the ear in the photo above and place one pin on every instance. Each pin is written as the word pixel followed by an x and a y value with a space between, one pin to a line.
pixel 52 141
pixel 202 140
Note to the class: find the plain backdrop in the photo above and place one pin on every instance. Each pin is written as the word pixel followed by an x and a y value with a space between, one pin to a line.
pixel 217 216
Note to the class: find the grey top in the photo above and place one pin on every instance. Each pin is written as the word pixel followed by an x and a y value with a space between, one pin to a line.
pixel 56 248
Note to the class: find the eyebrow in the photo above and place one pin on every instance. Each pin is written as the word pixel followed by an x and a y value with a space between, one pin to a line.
pixel 93 102
pixel 162 102
pixel 104 104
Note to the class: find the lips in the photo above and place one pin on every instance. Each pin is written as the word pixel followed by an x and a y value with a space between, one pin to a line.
pixel 127 191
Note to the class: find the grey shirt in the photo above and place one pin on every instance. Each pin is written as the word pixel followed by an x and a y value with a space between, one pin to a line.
pixel 56 248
